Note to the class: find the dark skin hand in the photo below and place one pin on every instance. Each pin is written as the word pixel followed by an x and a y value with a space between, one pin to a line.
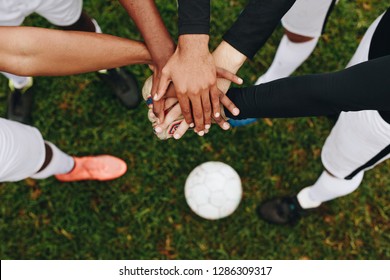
pixel 157 39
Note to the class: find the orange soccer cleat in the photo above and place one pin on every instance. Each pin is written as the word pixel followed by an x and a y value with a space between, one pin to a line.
pixel 101 168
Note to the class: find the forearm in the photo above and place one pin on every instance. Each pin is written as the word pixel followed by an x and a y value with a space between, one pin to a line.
pixel 255 25
pixel 149 22
pixel 31 51
pixel 362 87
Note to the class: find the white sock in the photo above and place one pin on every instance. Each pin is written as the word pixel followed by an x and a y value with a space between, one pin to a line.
pixel 60 163
pixel 288 58
pixel 97 26
pixel 19 82
pixel 327 188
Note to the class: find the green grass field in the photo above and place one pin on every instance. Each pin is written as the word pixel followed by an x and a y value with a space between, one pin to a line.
pixel 143 215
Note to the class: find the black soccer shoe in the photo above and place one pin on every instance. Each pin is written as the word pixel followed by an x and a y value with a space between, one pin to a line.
pixel 20 103
pixel 124 85
pixel 281 211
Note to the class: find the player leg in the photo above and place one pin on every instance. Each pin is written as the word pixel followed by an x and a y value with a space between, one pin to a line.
pixel 24 153
pixel 344 160
pixel 303 24
pixel 68 15
pixel 20 96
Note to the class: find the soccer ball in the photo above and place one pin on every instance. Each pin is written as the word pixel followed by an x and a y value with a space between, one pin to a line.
pixel 213 190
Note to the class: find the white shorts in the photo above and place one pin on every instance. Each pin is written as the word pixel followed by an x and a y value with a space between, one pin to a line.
pixel 58 12
pixel 307 17
pixel 355 140
pixel 358 138
pixel 22 151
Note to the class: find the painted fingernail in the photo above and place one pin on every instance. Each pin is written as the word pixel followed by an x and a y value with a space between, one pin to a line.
pixel 240 80
pixel 236 111
pixel 217 115
pixel 158 129
pixel 201 133
pixel 155 96
pixel 207 126
pixel 192 125
pixel 226 126
pixel 176 136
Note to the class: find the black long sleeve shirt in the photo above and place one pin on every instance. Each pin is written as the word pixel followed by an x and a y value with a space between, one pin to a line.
pixel 255 25
pixel 365 86
pixel 194 16
pixel 250 31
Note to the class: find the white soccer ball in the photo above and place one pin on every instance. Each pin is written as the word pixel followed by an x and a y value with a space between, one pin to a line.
pixel 213 190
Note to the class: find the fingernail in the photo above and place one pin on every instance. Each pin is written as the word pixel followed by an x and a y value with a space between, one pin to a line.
pixel 207 126
pixel 236 111
pixel 240 80
pixel 226 126
pixel 217 115
pixel 155 97
pixel 158 129
pixel 201 133
pixel 176 136
pixel 192 125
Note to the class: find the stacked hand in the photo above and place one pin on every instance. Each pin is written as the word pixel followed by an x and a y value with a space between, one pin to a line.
pixel 173 124
pixel 193 73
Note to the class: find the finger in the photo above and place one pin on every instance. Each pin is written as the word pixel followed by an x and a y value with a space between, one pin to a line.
pixel 216 95
pixel 223 73
pixel 158 106
pixel 169 103
pixel 146 91
pixel 229 105
pixel 197 111
pixel 222 123
pixel 158 109
pixel 163 84
pixel 152 117
pixel 181 130
pixel 171 91
pixel 172 116
pixel 206 110
pixel 185 109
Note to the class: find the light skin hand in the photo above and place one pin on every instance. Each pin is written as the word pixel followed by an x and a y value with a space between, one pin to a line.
pixel 227 57
pixel 193 59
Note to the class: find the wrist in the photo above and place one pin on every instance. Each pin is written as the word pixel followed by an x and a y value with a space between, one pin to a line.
pixel 165 53
pixel 161 57
pixel 193 42
pixel 227 57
